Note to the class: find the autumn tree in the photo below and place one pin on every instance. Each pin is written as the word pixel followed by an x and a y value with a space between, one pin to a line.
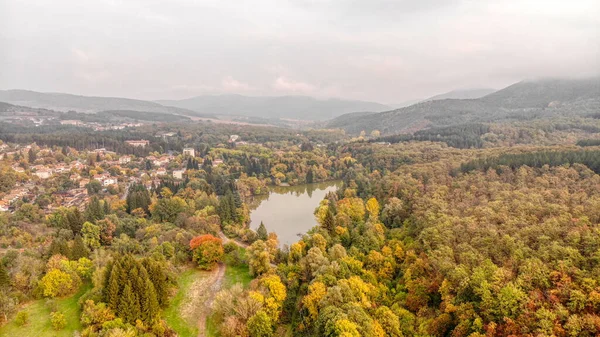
pixel 207 251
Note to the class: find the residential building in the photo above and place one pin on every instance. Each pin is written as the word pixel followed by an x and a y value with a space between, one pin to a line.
pixel 43 173
pixel 189 151
pixel 138 143
pixel 178 174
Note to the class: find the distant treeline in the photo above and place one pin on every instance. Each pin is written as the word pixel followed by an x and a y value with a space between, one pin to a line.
pixel 590 159
pixel 566 126
pixel 111 115
pixel 460 136
pixel 82 139
pixel 594 115
pixel 588 142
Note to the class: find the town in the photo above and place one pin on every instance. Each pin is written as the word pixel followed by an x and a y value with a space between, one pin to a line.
pixel 55 177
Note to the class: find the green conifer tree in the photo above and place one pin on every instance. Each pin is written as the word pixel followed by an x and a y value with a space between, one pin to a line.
pixel 113 287
pixel 128 308
pixel 329 221
pixel 149 303
pixel 262 232
pixel 79 249
pixel 106 207
pixel 4 277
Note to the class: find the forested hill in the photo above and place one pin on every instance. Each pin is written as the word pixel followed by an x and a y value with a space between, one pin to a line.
pixel 523 100
pixel 88 104
pixel 292 107
pixel 461 94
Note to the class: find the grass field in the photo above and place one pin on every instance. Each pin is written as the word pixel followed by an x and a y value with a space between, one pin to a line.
pixel 172 314
pixel 39 318
pixel 237 274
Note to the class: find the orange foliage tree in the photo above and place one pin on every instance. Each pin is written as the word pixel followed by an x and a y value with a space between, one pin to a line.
pixel 207 251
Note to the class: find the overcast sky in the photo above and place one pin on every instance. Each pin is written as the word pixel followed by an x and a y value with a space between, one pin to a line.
pixel 388 51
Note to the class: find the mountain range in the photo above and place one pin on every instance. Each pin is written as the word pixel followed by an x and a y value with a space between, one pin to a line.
pixel 86 104
pixel 523 100
pixel 280 107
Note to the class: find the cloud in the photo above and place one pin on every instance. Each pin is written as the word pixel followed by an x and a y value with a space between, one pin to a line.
pixel 230 84
pixel 381 50
pixel 80 55
pixel 285 84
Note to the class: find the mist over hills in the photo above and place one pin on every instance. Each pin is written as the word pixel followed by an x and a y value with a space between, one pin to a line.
pixel 522 100
pixel 284 107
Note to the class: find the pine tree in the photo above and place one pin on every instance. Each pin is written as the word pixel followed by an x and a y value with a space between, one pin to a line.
pixel 94 210
pixel 59 246
pixel 159 280
pixel 262 232
pixel 32 156
pixel 106 207
pixel 224 209
pixel 310 176
pixel 129 307
pixel 4 277
pixel 149 302
pixel 113 288
pixel 329 221
pixel 75 220
pixel 79 249
pixel 237 199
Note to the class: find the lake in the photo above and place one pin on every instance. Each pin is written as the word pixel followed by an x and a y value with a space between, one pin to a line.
pixel 289 210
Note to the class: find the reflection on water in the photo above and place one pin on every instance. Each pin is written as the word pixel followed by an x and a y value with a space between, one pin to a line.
pixel 288 210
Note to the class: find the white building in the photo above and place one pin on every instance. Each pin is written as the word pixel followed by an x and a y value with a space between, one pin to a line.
pixel 124 159
pixel 136 143
pixel 178 174
pixel 43 174
pixel 109 181
pixel 189 151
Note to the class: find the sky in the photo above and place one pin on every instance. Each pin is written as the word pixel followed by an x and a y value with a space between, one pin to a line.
pixel 388 51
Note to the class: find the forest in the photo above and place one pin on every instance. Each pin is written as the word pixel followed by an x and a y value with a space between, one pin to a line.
pixel 480 229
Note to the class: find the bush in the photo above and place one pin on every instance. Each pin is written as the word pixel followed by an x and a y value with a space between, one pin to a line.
pixel 58 320
pixel 22 318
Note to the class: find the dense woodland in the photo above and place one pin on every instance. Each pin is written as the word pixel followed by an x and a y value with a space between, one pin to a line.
pixel 472 230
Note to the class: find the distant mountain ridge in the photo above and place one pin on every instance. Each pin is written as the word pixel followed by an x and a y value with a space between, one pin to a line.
pixel 462 94
pixel 522 100
pixel 87 104
pixel 283 107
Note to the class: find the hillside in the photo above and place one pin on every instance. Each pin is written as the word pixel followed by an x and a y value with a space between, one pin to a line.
pixel 285 107
pixel 462 94
pixel 87 104
pixel 523 100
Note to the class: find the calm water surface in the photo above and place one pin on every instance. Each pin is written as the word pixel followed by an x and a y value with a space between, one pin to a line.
pixel 289 210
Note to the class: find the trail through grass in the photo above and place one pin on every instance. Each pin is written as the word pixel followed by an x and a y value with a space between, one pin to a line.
pixel 233 275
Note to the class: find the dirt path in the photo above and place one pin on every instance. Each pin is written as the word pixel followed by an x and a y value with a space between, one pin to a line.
pixel 209 288
pixel 226 240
